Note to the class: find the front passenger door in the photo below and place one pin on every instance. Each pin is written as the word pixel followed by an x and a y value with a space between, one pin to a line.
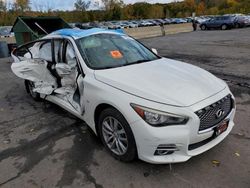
pixel 71 79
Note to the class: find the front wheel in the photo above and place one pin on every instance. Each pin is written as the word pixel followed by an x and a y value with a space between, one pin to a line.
pixel 203 27
pixel 117 135
pixel 30 89
pixel 224 27
pixel 237 25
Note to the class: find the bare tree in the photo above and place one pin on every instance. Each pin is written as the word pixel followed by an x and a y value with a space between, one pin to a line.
pixel 81 5
pixel 110 4
pixel 3 7
pixel 23 5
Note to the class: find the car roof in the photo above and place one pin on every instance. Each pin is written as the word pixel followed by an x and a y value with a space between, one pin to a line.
pixel 79 33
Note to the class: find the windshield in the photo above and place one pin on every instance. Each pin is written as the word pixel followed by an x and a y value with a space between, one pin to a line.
pixel 102 51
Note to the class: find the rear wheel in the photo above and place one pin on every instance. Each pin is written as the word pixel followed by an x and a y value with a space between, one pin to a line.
pixel 203 27
pixel 224 27
pixel 30 89
pixel 117 135
pixel 237 25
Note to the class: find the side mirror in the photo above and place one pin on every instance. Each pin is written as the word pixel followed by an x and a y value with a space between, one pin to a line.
pixel 154 51
pixel 63 69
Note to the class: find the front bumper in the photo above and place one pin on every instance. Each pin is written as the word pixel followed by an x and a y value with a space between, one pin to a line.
pixel 183 136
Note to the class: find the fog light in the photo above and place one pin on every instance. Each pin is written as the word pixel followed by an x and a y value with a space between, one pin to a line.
pixel 165 149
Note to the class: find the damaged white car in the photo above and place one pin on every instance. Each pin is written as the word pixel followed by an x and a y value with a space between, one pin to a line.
pixel 140 104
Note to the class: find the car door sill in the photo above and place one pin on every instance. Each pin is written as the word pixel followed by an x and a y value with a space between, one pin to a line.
pixel 64 105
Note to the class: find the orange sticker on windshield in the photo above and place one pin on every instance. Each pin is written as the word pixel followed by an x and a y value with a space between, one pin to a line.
pixel 116 54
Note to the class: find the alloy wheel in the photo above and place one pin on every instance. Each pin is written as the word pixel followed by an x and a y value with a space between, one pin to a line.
pixel 115 136
pixel 203 27
pixel 224 27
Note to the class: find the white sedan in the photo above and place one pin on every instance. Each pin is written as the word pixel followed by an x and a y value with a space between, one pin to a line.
pixel 140 104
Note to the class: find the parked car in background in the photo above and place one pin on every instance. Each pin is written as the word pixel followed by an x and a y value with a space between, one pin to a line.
pixel 130 24
pixel 154 23
pixel 167 21
pixel 109 25
pixel 146 23
pixel 116 24
pixel 178 21
pixel 241 21
pixel 206 22
pixel 124 24
pixel 220 22
pixel 5 31
pixel 189 19
pixel 160 21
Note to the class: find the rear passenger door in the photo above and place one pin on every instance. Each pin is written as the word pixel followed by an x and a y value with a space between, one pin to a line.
pixel 34 62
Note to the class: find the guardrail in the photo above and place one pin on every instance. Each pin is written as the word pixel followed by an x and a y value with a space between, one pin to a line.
pixel 147 32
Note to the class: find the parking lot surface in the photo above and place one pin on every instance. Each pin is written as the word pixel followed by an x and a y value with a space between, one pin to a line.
pixel 41 145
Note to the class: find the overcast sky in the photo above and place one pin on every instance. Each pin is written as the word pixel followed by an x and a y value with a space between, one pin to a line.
pixel 69 4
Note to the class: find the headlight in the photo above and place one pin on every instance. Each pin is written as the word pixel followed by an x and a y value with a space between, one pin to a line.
pixel 157 118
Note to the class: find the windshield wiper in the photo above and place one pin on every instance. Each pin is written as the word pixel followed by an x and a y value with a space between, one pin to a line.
pixel 139 61
pixel 136 62
pixel 110 67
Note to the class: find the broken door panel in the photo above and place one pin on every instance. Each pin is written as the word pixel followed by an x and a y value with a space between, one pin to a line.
pixel 31 62
pixel 35 70
pixel 69 90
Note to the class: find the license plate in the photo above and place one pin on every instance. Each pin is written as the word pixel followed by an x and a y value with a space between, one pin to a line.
pixel 221 128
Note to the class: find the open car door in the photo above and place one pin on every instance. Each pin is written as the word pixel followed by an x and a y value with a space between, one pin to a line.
pixel 34 62
pixel 54 70
pixel 67 67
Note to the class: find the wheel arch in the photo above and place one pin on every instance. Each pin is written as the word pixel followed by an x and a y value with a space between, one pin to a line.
pixel 99 108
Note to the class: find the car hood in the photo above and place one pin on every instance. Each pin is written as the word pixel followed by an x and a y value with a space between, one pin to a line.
pixel 164 81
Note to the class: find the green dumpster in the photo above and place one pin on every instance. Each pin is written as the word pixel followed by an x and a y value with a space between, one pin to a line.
pixel 27 29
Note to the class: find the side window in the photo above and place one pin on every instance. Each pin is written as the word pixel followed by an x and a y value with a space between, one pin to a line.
pixel 58 48
pixel 24 52
pixel 34 50
pixel 45 51
pixel 70 56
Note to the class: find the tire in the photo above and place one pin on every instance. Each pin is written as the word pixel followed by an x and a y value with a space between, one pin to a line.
pixel 224 27
pixel 203 27
pixel 117 139
pixel 29 88
pixel 237 25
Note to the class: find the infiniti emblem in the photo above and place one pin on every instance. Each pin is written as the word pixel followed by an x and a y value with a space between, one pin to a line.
pixel 219 113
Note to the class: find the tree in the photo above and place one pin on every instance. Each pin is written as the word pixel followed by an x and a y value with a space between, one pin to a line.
pixel 141 10
pixel 201 8
pixel 23 5
pixel 111 4
pixel 2 6
pixel 190 5
pixel 81 5
pixel 156 11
